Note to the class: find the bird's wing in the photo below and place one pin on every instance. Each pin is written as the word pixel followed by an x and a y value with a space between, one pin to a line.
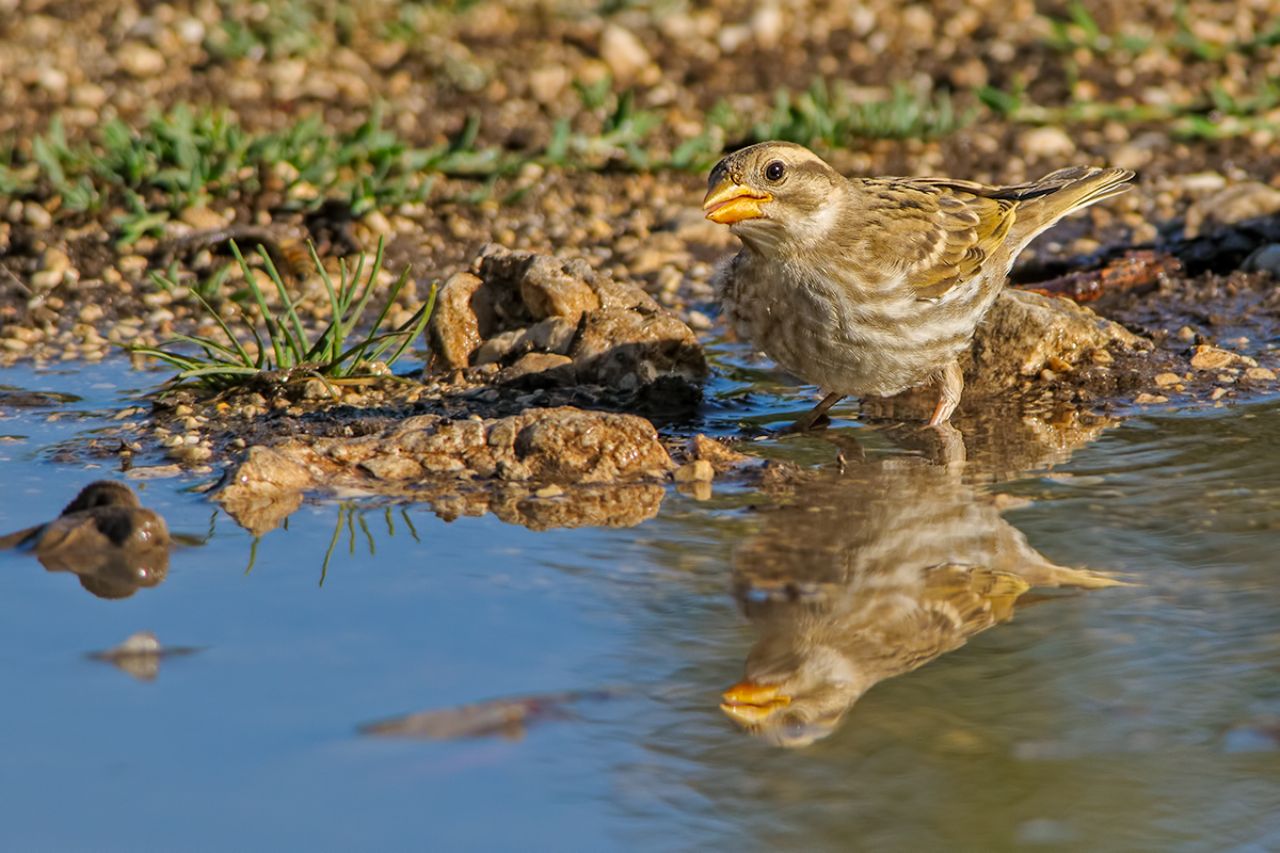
pixel 955 602
pixel 939 232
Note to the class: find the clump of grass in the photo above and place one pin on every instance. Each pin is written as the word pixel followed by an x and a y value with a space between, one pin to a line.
pixel 288 350
pixel 834 117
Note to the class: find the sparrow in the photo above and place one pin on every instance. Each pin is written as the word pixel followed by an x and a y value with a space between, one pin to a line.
pixel 871 286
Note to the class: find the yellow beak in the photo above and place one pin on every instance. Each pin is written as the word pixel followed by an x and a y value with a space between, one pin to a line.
pixel 747 702
pixel 727 203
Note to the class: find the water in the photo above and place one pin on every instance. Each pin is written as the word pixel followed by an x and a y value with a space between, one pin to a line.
pixel 1142 717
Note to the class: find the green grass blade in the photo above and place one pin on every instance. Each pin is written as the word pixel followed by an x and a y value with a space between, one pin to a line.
pixel 252 283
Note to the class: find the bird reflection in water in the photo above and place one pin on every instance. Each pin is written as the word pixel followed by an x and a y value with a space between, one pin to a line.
pixel 866 575
pixel 105 537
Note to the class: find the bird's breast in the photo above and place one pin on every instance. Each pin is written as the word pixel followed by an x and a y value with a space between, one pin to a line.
pixel 844 332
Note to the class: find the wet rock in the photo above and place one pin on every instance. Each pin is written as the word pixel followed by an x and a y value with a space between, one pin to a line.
pixel 105 537
pixel 265 489
pixel 466 467
pixel 1264 259
pixel 1024 331
pixel 698 471
pixel 553 289
pixel 522 304
pixel 540 369
pixel 615 344
pixel 454 330
pixel 140 655
pixel 1212 358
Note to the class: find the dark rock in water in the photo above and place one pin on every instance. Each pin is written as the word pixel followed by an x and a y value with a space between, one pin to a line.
pixel 105 537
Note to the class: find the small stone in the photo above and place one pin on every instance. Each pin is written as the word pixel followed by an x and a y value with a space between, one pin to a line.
pixel 1186 333
pixel 540 363
pixel 1057 364
pixel 203 218
pixel 1165 380
pixel 623 52
pixel 1261 374
pixel 697 471
pixel 1145 399
pixel 140 60
pixel 1101 356
pixel 551 491
pixel 1211 358
pixel 316 389
pixel 1264 259
pixel 1046 143
pixel 1218 393
pixel 37 216
pixel 454 330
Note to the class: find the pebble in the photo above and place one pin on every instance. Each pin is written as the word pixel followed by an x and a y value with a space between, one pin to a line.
pixel 1260 374
pixel 623 52
pixel 1211 358
pixel 1145 399
pixel 698 471
pixel 140 60
pixel 1165 380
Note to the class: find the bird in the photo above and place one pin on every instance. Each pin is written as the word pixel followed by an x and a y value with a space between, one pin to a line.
pixel 872 286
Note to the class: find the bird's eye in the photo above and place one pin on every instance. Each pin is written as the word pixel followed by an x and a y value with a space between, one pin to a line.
pixel 775 170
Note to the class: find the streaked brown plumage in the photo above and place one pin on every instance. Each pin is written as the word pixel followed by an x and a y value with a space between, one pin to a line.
pixel 871 286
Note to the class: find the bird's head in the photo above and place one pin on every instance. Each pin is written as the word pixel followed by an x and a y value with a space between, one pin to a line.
pixel 794 702
pixel 774 194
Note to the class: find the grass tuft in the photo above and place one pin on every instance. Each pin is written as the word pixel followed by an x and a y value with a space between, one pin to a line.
pixel 283 347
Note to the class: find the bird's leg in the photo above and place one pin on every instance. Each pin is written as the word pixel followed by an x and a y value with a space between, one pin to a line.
pixel 950 386
pixel 806 422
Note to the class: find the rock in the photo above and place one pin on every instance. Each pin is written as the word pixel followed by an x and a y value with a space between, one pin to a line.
pixel 1166 380
pixel 265 489
pixel 540 369
pixel 506 346
pixel 1264 259
pixel 1228 206
pixel 140 60
pixel 1023 331
pixel 1211 358
pixel 697 471
pixel 722 458
pixel 203 218
pixel 453 332
pixel 437 456
pixel 1045 143
pixel 623 52
pixel 551 289
pixel 1260 374
pixel 1145 399
pixel 615 343
pixel 552 335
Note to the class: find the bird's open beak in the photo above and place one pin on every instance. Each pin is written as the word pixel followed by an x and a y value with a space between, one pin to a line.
pixel 727 203
pixel 749 703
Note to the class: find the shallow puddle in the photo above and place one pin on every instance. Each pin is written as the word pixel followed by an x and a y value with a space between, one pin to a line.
pixel 1144 716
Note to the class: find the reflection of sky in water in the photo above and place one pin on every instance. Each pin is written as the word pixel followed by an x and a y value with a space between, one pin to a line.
pixel 1106 720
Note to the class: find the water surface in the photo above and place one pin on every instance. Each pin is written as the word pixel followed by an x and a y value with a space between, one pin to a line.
pixel 1135 717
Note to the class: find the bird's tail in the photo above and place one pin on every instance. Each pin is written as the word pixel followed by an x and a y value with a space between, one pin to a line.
pixel 1044 202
